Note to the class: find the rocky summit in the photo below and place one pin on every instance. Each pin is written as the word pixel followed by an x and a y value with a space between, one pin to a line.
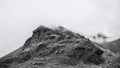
pixel 58 48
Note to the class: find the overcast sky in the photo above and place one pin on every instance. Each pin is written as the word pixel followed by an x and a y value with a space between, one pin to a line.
pixel 18 18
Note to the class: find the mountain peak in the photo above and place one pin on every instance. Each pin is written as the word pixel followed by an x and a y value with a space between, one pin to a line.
pixel 53 48
pixel 41 28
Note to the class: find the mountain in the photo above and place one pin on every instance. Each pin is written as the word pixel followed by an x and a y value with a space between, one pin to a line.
pixel 57 48
pixel 114 46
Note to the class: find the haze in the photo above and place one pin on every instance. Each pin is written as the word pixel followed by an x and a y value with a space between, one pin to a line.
pixel 18 18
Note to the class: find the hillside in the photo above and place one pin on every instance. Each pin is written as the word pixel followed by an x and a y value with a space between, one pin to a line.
pixel 114 46
pixel 56 48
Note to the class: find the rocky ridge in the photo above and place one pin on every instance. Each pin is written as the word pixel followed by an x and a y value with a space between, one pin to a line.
pixel 56 48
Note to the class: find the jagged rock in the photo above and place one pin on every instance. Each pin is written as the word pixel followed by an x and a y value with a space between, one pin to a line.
pixel 52 47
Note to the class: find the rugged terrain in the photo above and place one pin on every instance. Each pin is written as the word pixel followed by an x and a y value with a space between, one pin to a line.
pixel 60 48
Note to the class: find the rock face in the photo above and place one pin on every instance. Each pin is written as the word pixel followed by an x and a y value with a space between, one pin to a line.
pixel 55 48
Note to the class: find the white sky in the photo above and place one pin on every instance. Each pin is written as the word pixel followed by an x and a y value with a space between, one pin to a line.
pixel 18 18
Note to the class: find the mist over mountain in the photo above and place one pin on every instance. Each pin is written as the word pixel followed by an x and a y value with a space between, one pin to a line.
pixel 60 48
pixel 87 17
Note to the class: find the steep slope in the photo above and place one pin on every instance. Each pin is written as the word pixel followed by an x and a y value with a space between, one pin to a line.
pixel 55 48
pixel 114 46
pixel 114 49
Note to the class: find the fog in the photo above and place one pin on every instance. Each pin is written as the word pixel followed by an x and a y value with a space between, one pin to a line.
pixel 18 18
